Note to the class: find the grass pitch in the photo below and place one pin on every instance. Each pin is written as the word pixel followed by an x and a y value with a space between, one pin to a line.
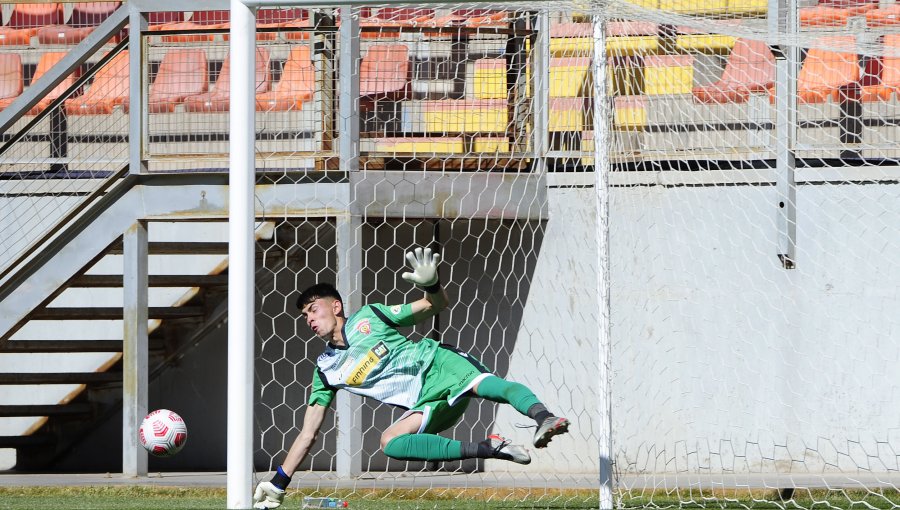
pixel 171 498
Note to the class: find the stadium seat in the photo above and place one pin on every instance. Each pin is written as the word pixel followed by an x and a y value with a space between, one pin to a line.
pixel 823 16
pixel 490 144
pixel 182 73
pixel 855 7
pixel 890 74
pixel 750 68
pixel 200 20
pixel 883 17
pixel 630 112
pixel 384 71
pixel 747 7
pixel 11 80
pixel 155 20
pixel 694 6
pixel 627 38
pixel 568 76
pixel 400 145
pixel 47 61
pixel 824 73
pixel 465 116
pixel 668 74
pixel 217 99
pixel 297 83
pixel 84 19
pixel 567 114
pixel 108 90
pixel 490 78
pixel 25 19
pixel 570 39
pixel 691 40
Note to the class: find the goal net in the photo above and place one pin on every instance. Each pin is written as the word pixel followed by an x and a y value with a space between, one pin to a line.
pixel 694 258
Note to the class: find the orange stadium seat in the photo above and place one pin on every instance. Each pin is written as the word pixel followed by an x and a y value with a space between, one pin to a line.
pixel 25 20
pixel 108 90
pixel 182 73
pixel 275 18
pixel 883 17
pixel 824 16
pixel 890 74
pixel 824 72
pixel 384 70
pixel 47 61
pixel 750 68
pixel 85 18
pixel 200 20
pixel 855 7
pixel 297 83
pixel 216 100
pixel 11 83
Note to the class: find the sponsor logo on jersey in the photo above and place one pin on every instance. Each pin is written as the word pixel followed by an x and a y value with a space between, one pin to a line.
pixel 364 327
pixel 396 309
pixel 359 373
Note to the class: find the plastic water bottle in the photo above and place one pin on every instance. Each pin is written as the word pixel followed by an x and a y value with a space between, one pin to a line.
pixel 310 502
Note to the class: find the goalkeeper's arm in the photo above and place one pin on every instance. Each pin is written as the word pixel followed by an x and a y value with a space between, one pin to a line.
pixel 270 494
pixel 425 276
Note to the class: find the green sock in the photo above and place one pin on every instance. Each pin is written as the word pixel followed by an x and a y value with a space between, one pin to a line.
pixel 423 447
pixel 505 392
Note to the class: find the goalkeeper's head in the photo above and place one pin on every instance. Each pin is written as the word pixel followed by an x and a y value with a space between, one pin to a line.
pixel 322 308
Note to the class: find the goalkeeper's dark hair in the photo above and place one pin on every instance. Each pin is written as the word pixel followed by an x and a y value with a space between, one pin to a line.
pixel 317 291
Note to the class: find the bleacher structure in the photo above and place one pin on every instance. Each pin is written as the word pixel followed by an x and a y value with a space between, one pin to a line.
pixel 447 120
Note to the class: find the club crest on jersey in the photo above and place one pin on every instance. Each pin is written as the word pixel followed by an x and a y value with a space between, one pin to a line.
pixel 361 371
pixel 396 309
pixel 364 327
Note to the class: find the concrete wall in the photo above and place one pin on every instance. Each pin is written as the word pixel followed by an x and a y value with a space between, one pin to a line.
pixel 724 361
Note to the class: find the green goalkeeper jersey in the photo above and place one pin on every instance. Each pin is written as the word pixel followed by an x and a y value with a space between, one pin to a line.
pixel 377 362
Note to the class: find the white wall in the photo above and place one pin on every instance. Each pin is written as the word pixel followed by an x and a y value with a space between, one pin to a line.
pixel 725 361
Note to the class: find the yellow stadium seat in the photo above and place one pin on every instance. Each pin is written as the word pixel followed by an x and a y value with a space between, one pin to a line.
pixel 704 43
pixel 628 38
pixel 491 145
pixel 694 6
pixel 465 116
pixel 568 76
pixel 443 145
pixel 587 147
pixel 567 114
pixel 630 112
pixel 490 78
pixel 748 6
pixel 571 39
pixel 668 74
pixel 646 4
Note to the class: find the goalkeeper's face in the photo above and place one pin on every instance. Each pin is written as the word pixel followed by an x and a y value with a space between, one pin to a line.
pixel 323 316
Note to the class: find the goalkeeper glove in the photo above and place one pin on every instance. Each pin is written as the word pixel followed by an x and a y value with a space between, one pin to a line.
pixel 270 494
pixel 424 266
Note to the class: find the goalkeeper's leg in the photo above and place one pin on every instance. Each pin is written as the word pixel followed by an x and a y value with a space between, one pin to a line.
pixel 523 400
pixel 402 441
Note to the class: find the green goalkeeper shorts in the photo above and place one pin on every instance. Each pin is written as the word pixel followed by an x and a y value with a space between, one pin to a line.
pixel 442 401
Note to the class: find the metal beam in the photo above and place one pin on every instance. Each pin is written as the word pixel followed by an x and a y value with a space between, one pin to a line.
pixel 348 240
pixel 153 280
pixel 348 90
pixel 13 378
pixel 43 410
pixel 74 58
pixel 63 346
pixel 114 313
pixel 541 76
pixel 134 349
pixel 137 89
pixel 787 64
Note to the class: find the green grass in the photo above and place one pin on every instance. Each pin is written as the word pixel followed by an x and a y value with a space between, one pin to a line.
pixel 170 498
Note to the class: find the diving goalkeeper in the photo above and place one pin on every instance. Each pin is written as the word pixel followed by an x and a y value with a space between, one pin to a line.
pixel 366 355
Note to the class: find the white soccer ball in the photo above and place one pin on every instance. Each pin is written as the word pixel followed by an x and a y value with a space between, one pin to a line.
pixel 163 433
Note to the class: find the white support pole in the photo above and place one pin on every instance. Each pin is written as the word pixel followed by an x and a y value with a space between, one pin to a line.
pixel 601 187
pixel 348 237
pixel 787 64
pixel 241 215
pixel 541 77
pixel 134 348
pixel 348 91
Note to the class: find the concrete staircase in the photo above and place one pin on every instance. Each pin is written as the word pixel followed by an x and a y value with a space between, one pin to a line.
pixel 61 366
